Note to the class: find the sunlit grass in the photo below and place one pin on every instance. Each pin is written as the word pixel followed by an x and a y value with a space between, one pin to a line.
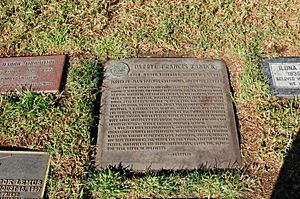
pixel 241 31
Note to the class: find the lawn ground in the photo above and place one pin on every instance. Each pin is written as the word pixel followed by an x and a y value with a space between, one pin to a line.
pixel 92 32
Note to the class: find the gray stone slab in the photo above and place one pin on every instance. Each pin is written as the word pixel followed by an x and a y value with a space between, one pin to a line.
pixel 167 113
pixel 23 174
pixel 41 73
pixel 283 75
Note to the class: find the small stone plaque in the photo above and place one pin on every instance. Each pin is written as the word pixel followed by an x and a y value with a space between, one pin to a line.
pixel 23 174
pixel 283 75
pixel 42 73
pixel 167 113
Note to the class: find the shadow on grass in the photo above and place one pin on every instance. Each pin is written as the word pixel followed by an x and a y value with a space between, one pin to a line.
pixel 120 182
pixel 96 107
pixel 202 170
pixel 65 74
pixel 288 181
pixel 13 148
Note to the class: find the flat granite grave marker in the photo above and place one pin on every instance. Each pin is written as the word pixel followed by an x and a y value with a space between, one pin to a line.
pixel 167 113
pixel 23 174
pixel 283 75
pixel 42 73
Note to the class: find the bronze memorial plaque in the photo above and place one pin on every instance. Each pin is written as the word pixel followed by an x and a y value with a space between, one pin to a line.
pixel 23 174
pixel 42 73
pixel 167 113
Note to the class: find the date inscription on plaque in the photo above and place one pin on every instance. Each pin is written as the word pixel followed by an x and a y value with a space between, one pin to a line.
pixel 167 113
pixel 23 174
pixel 283 75
pixel 42 73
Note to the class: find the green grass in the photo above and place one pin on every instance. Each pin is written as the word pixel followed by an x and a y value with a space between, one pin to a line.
pixel 111 183
pixel 242 32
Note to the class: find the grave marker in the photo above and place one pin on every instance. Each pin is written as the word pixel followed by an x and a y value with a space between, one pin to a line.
pixel 167 113
pixel 42 73
pixel 283 75
pixel 23 174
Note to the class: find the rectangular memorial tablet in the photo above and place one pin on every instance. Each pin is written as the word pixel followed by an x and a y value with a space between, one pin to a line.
pixel 283 75
pixel 167 113
pixel 42 73
pixel 23 174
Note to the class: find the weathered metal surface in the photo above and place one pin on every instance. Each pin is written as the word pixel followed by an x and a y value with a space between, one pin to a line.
pixel 167 113
pixel 42 73
pixel 23 174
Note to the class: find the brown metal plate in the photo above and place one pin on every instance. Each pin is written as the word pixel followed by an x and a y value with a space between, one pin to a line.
pixel 42 73
pixel 23 174
pixel 167 113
